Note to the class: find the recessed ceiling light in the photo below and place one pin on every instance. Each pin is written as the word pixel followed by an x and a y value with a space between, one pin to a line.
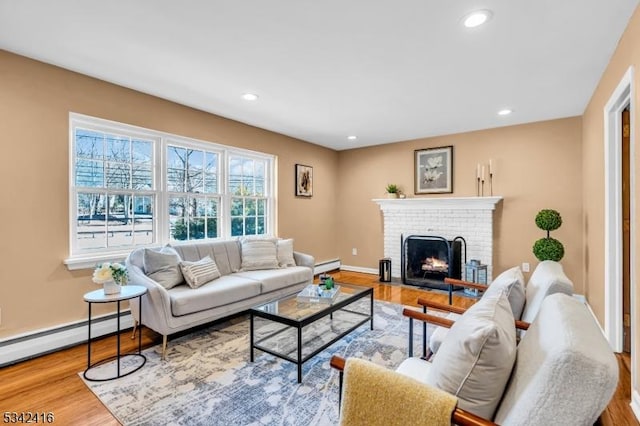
pixel 505 111
pixel 477 18
pixel 249 96
pixel 352 138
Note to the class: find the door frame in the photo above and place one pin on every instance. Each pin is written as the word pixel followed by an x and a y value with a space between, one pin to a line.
pixel 622 96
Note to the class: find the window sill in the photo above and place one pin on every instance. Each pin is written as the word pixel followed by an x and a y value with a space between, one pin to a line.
pixel 75 263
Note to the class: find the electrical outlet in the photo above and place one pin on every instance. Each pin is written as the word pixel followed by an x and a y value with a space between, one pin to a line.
pixel 354 251
pixel 525 267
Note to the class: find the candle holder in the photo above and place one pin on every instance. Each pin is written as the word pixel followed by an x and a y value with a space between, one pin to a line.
pixel 478 187
pixel 482 189
pixel 491 183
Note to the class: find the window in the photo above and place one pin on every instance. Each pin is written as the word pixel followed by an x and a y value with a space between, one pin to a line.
pixel 248 198
pixel 194 199
pixel 134 187
pixel 114 195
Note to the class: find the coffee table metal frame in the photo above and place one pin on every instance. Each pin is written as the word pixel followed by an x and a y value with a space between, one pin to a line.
pixel 300 324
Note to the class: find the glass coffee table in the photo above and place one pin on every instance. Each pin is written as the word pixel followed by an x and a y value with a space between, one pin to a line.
pixel 296 331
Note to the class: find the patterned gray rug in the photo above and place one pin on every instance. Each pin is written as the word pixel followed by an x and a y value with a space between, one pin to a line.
pixel 207 378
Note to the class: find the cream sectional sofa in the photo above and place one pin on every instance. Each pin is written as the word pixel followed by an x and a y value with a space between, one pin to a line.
pixel 174 309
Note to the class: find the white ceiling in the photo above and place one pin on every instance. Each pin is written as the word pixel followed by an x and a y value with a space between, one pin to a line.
pixel 383 70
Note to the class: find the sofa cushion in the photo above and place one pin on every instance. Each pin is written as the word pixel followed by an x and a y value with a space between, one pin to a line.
pixel 548 278
pixel 162 266
pixel 200 272
pixel 440 333
pixel 416 368
pixel 258 254
pixel 475 361
pixel 511 282
pixel 565 373
pixel 226 254
pixel 223 291
pixel 275 279
pixel 285 253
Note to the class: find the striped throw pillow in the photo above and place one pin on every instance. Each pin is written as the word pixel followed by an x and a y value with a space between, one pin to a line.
pixel 285 253
pixel 259 254
pixel 200 272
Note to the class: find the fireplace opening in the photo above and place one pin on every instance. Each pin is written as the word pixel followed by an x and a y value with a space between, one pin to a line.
pixel 427 260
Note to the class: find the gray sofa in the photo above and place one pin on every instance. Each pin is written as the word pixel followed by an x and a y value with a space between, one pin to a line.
pixel 169 311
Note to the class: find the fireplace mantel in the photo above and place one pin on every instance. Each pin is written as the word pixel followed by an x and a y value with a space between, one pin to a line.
pixel 445 203
pixel 447 217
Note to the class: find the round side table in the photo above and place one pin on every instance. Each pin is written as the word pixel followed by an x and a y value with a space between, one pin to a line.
pixel 128 292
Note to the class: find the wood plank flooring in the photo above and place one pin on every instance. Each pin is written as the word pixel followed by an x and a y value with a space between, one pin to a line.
pixel 50 383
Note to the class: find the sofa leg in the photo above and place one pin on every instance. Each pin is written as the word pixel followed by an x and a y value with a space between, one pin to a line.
pixel 164 347
pixel 135 327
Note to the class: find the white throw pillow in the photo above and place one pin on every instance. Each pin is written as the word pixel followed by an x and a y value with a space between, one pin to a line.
pixel 162 266
pixel 285 253
pixel 511 282
pixel 259 254
pixel 200 272
pixel 475 361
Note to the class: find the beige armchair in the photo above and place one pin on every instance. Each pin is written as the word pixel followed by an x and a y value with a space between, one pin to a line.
pixel 563 371
pixel 548 278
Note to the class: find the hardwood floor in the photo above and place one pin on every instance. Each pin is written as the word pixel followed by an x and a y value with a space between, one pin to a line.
pixel 51 383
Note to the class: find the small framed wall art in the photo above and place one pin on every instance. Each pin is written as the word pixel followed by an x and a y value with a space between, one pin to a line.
pixel 304 181
pixel 433 170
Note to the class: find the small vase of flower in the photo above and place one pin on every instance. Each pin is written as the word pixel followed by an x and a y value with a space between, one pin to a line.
pixel 112 276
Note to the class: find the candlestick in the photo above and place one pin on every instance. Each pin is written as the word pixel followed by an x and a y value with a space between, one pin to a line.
pixel 491 169
pixel 478 186
pixel 483 172
pixel 491 183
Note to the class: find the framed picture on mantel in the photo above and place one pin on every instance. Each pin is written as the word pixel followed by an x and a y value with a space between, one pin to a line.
pixel 433 170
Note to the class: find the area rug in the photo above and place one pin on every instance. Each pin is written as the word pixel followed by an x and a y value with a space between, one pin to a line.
pixel 207 378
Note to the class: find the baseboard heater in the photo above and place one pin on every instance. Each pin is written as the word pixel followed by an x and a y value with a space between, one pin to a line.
pixel 326 266
pixel 42 342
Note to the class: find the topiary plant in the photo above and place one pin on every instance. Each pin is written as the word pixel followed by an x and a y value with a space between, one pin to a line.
pixel 548 220
pixel 548 248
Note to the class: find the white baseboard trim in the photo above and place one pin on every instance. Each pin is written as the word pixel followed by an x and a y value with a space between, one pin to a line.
pixel 45 341
pixel 593 314
pixel 635 403
pixel 329 265
pixel 359 269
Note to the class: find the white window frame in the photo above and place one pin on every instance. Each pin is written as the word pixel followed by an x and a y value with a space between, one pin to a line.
pixel 88 258
pixel 269 180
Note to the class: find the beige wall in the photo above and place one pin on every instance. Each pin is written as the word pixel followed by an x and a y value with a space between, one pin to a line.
pixel 627 54
pixel 556 164
pixel 537 166
pixel 36 289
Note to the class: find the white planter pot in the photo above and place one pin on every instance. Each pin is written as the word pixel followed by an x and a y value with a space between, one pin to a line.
pixel 110 287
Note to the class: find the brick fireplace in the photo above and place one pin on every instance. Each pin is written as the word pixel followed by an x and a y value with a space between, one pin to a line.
pixel 468 217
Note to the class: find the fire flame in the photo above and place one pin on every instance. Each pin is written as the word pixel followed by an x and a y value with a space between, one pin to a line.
pixel 434 264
